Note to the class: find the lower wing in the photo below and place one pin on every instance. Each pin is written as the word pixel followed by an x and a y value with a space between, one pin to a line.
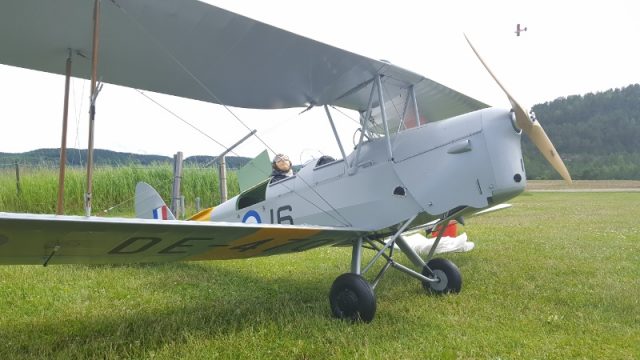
pixel 53 239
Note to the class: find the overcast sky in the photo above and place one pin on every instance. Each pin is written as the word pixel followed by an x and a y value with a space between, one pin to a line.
pixel 570 47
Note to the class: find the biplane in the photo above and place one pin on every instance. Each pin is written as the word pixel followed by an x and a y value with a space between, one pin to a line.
pixel 520 29
pixel 425 154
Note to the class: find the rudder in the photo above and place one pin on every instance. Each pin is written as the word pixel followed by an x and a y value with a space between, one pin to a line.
pixel 149 204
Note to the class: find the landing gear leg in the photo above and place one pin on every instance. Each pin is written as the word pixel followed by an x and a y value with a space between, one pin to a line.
pixel 439 276
pixel 352 296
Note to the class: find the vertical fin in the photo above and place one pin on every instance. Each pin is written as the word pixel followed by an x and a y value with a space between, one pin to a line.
pixel 149 204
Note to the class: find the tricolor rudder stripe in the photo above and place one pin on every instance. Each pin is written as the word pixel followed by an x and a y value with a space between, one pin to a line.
pixel 161 213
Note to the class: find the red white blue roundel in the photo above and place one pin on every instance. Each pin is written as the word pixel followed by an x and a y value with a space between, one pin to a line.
pixel 251 217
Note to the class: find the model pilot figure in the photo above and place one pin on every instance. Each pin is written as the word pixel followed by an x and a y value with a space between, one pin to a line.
pixel 281 168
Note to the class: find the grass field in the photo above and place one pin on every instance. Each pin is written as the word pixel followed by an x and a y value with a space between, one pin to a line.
pixel 554 277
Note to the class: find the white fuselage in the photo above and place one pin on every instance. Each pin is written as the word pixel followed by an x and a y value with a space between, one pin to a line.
pixel 473 161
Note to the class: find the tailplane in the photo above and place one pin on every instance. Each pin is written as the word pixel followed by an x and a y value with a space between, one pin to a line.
pixel 149 204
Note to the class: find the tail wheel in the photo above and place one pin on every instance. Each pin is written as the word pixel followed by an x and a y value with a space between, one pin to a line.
pixel 352 298
pixel 447 273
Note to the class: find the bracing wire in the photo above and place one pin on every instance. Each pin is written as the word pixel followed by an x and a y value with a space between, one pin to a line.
pixel 190 74
pixel 180 118
pixel 216 99
pixel 343 220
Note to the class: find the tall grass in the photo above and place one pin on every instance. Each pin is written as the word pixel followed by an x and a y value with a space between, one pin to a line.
pixel 113 188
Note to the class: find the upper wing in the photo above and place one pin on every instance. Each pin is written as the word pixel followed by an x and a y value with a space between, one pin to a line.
pixel 194 50
pixel 41 239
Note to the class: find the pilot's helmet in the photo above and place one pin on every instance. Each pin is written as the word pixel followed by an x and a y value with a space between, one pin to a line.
pixel 281 163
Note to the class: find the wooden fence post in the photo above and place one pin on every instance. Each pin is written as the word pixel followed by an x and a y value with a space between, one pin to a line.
pixel 19 190
pixel 222 173
pixel 177 176
pixel 182 211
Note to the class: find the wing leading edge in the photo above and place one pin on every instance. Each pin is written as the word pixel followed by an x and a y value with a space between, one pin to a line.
pixel 40 239
pixel 194 50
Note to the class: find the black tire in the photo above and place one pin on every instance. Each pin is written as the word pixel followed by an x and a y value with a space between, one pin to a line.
pixel 447 272
pixel 352 298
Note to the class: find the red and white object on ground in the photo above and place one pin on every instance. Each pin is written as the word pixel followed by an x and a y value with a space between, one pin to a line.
pixel 450 241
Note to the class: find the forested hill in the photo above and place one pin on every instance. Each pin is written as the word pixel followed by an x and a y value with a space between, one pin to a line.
pixel 597 135
pixel 77 157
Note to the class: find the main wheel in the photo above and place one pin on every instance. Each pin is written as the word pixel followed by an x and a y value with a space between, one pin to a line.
pixel 445 271
pixel 352 298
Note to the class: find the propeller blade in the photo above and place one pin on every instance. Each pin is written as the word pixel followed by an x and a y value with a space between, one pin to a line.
pixel 539 137
pixel 530 126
